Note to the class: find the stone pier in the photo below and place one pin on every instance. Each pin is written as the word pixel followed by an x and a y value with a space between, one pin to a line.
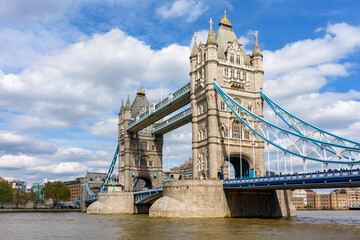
pixel 207 198
pixel 112 203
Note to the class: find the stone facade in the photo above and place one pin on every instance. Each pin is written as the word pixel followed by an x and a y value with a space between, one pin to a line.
pixel 140 153
pixel 217 133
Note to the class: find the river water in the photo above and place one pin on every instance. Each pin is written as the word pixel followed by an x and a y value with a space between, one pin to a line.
pixel 72 225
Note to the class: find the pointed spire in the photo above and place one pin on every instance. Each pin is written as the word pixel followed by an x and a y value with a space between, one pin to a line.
pixel 194 51
pixel 256 50
pixel 128 105
pixel 122 107
pixel 211 36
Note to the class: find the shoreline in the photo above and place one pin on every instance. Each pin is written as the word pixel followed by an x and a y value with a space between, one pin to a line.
pixel 38 210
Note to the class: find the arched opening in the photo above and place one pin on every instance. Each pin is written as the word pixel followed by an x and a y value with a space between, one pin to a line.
pixel 141 184
pixel 234 168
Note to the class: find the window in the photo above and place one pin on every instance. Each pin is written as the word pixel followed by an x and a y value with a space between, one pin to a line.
pixel 222 106
pixel 153 147
pixel 143 145
pixel 232 58
pixel 137 162
pixel 226 72
pixel 247 135
pixel 238 59
pixel 150 163
pixel 238 74
pixel 244 76
pixel 236 130
pixel 232 73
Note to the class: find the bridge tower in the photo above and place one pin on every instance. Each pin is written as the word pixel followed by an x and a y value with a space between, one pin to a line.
pixel 217 134
pixel 140 153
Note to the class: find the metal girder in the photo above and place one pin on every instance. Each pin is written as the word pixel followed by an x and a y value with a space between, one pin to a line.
pixel 174 122
pixel 170 104
pixel 290 141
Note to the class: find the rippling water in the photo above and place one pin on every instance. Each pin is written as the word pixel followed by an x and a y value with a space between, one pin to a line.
pixel 308 225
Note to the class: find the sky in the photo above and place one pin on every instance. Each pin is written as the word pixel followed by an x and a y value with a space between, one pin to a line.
pixel 66 65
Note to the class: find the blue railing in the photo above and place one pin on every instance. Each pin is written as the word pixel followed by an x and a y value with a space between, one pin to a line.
pixel 142 195
pixel 304 178
pixel 175 119
pixel 173 97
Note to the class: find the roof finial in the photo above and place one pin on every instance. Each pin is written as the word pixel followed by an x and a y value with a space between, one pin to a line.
pixel 224 20
pixel 141 91
pixel 211 22
pixel 256 35
pixel 195 37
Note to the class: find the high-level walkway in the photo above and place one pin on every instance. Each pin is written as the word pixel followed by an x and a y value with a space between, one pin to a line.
pixel 170 104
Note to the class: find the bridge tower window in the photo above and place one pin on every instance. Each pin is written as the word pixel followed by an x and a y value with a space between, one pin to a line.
pixel 232 73
pixel 143 145
pixel 222 106
pixel 238 59
pixel 236 130
pixel 232 58
pixel 226 72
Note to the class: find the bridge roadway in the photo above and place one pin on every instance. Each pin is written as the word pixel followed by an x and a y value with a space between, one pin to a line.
pixel 170 104
pixel 330 179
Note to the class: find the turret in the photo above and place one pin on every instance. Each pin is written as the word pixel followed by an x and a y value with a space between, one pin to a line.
pixel 211 55
pixel 256 56
pixel 127 109
pixel 194 54
pixel 257 63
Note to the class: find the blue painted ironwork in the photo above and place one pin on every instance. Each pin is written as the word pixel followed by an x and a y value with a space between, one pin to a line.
pixel 173 97
pixel 110 171
pixel 91 194
pixel 148 195
pixel 320 179
pixel 305 147
pixel 173 120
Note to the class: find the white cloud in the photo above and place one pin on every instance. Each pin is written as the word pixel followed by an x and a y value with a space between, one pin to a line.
pixel 191 9
pixel 61 168
pixel 9 161
pixel 86 79
pixel 339 41
pixel 12 143
pixel 106 128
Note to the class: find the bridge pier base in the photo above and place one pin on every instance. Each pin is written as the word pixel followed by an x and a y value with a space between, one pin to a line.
pixel 207 198
pixel 260 204
pixel 112 203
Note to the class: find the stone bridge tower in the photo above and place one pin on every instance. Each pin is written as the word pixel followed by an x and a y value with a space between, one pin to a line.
pixel 140 153
pixel 217 134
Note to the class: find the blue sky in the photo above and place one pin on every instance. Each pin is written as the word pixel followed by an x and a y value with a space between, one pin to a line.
pixel 66 65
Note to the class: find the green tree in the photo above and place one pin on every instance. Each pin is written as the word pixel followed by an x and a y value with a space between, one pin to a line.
pixel 19 198
pixel 6 191
pixel 57 191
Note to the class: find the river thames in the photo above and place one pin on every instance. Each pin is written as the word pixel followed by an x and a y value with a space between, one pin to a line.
pixel 74 225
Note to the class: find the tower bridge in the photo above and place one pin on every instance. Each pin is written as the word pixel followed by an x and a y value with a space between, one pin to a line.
pixel 226 113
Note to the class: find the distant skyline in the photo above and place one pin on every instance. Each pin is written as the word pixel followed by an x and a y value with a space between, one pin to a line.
pixel 66 65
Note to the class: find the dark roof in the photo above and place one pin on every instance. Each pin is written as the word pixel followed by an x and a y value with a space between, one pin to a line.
pixel 139 102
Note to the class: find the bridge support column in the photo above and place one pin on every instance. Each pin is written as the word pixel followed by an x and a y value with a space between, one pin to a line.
pixel 191 198
pixel 207 198
pixel 112 203
pixel 260 204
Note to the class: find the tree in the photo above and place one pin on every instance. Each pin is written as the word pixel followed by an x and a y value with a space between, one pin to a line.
pixel 6 191
pixel 57 191
pixel 33 196
pixel 19 198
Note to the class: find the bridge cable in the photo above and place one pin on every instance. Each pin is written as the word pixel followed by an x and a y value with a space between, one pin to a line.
pixel 321 145
pixel 228 142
